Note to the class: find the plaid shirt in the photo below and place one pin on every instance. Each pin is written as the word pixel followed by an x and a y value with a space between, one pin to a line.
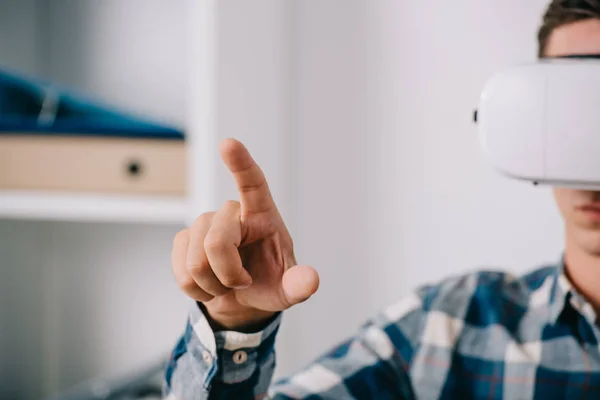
pixel 483 335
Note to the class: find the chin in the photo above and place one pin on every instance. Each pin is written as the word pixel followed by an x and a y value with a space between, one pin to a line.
pixel 587 239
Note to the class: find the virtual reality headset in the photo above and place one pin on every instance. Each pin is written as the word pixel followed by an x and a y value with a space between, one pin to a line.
pixel 540 122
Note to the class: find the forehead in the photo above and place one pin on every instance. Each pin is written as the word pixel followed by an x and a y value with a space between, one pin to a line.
pixel 582 37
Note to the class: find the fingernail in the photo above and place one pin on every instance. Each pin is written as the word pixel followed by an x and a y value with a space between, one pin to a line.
pixel 243 286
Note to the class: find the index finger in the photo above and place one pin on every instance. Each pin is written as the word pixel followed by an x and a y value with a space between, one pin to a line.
pixel 255 195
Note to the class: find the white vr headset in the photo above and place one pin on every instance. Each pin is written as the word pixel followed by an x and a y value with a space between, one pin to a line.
pixel 540 122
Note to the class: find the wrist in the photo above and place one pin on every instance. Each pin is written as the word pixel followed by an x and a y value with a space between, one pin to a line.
pixel 248 321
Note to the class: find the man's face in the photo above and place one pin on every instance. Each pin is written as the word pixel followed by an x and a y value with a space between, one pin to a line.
pixel 580 209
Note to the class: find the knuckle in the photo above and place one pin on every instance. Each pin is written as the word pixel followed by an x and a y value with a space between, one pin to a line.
pixel 187 284
pixel 231 205
pixel 181 237
pixel 198 270
pixel 203 298
pixel 215 242
pixel 252 186
pixel 230 281
pixel 220 290
pixel 289 242
pixel 204 219
pixel 232 278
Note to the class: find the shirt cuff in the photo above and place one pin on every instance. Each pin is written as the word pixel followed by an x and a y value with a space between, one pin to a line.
pixel 230 356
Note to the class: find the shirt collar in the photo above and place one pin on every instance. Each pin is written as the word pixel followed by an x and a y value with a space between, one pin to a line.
pixel 563 295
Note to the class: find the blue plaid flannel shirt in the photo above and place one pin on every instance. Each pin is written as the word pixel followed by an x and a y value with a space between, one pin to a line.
pixel 480 335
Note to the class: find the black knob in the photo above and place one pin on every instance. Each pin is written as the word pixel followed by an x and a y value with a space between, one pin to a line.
pixel 134 168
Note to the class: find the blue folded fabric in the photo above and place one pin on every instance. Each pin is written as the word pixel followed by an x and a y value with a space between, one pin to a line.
pixel 33 106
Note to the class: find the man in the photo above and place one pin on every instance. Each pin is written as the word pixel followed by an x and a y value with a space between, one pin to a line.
pixel 480 335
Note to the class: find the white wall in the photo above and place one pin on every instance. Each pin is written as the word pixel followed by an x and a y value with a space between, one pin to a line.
pixel 453 213
pixel 334 173
pixel 19 35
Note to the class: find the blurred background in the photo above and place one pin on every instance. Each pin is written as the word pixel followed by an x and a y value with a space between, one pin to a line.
pixel 359 112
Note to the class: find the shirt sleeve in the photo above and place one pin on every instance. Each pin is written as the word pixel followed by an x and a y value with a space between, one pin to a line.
pixel 222 365
pixel 372 363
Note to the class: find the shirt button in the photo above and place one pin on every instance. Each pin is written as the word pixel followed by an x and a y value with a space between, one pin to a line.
pixel 240 357
pixel 207 357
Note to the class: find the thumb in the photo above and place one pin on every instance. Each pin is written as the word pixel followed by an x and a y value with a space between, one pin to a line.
pixel 299 283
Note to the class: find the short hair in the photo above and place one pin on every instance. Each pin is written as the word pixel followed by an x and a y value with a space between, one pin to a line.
pixel 562 12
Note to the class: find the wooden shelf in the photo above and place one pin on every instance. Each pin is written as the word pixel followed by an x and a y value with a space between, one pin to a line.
pixel 92 208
